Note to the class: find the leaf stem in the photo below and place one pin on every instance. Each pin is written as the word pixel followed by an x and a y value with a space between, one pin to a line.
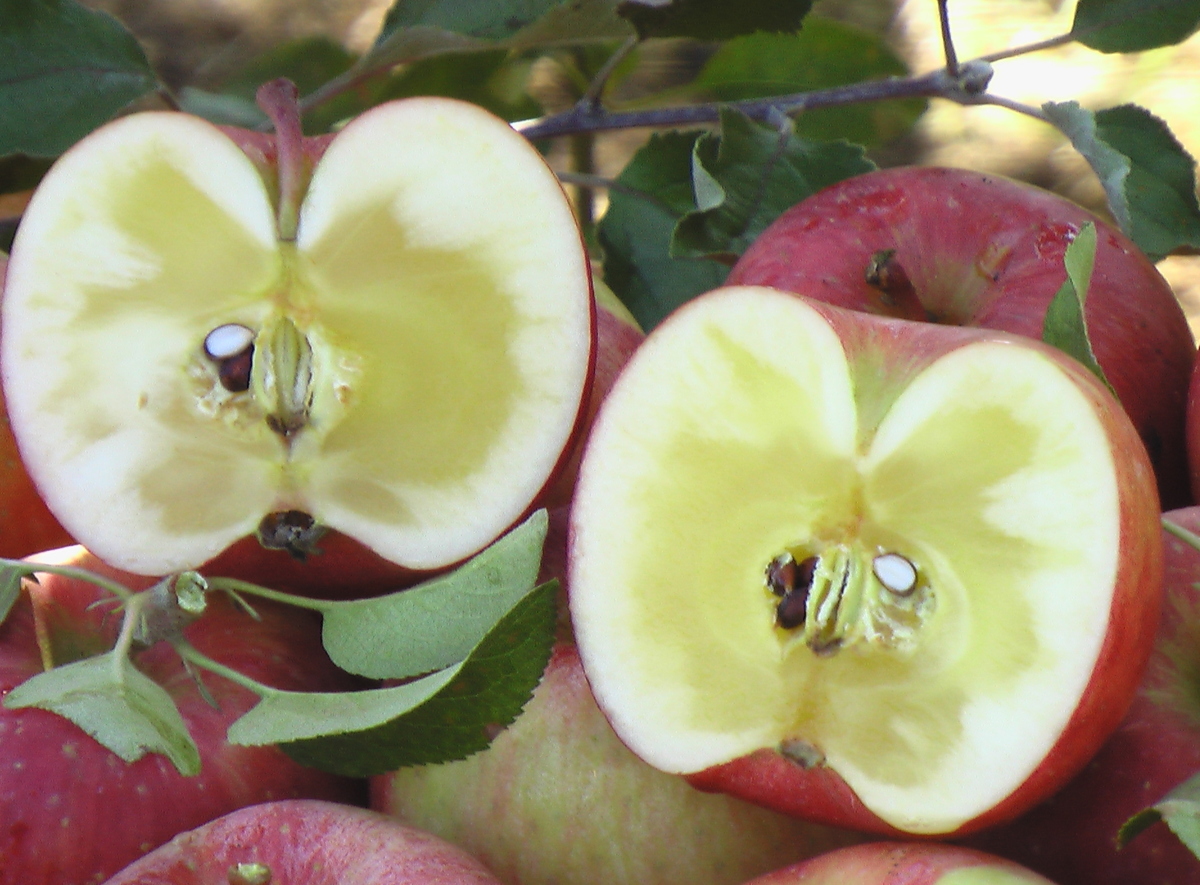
pixel 1183 534
pixel 32 567
pixel 234 586
pixel 197 658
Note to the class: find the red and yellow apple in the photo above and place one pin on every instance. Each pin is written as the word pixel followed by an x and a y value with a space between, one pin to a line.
pixel 888 575
pixel 386 334
pixel 960 247
pixel 305 842
pixel 73 811
pixel 900 863
pixel 557 799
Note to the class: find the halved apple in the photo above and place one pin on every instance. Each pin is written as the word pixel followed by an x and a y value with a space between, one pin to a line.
pixel 405 364
pixel 889 575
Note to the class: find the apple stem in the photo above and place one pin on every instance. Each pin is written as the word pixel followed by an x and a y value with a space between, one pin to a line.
pixel 886 274
pixel 279 100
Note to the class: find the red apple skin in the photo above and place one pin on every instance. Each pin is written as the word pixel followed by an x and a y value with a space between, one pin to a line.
pixel 1193 428
pixel 72 811
pixel 617 337
pixel 1071 837
pixel 26 523
pixel 983 250
pixel 558 800
pixel 818 793
pixel 902 863
pixel 306 842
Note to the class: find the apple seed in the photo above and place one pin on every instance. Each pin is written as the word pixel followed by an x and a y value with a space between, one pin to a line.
pixel 831 599
pixel 227 341
pixel 231 348
pixel 895 572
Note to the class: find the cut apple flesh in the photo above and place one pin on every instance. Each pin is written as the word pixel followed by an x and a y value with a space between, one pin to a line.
pixel 899 563
pixel 407 370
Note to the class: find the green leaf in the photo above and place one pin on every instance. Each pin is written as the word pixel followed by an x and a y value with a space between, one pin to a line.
pixel 713 19
pixel 10 588
pixel 1148 177
pixel 416 30
pixel 438 623
pixel 486 19
pixel 445 716
pixel 116 704
pixel 1179 809
pixel 64 70
pixel 1134 25
pixel 494 79
pixel 749 175
pixel 825 54
pixel 649 197
pixel 1064 325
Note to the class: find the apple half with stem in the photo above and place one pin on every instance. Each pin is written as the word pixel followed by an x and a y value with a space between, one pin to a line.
pixel 387 334
pixel 961 247
pixel 888 575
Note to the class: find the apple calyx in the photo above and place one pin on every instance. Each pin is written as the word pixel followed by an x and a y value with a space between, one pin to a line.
pixel 846 594
pixel 252 873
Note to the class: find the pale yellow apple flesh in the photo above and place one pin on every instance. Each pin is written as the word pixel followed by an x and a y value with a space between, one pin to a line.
pixel 959 515
pixel 420 348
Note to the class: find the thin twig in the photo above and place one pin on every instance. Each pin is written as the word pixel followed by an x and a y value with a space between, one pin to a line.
pixel 947 38
pixel 585 117
pixel 596 88
pixel 1028 48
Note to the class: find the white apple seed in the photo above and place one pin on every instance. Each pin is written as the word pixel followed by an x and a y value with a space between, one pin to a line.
pixel 895 572
pixel 227 341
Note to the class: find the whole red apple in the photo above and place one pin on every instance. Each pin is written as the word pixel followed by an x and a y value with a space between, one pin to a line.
pixel 305 842
pixel 901 863
pixel 966 248
pixel 1072 836
pixel 71 810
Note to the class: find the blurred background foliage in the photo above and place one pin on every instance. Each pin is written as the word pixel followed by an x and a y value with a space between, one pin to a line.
pixel 217 51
